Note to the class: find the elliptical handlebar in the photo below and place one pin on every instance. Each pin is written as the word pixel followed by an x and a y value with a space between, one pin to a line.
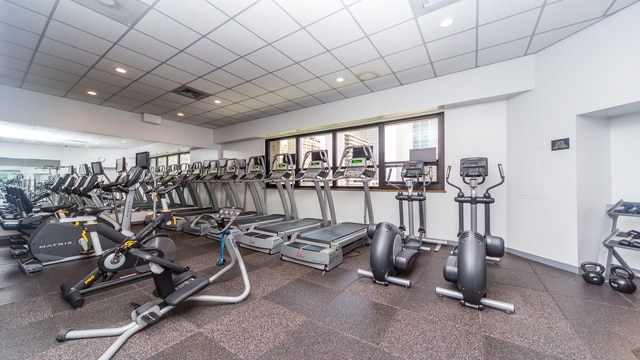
pixel 486 192
pixel 224 218
pixel 486 198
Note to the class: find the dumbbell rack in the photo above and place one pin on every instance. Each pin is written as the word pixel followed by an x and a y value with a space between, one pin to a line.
pixel 621 208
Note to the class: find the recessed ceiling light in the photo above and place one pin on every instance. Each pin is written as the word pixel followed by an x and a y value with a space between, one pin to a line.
pixel 121 70
pixel 107 2
pixel 124 141
pixel 217 101
pixel 340 79
pixel 92 93
pixel 367 75
pixel 180 114
pixel 446 22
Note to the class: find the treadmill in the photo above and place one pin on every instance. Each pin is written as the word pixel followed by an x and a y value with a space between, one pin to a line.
pixel 253 180
pixel 324 248
pixel 268 238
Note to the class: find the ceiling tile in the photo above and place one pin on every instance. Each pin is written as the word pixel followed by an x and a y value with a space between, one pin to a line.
pixel 167 30
pixel 289 106
pixel 270 82
pixel 206 86
pixel 15 51
pixel 126 100
pixel 20 17
pixel 505 30
pixel 299 46
pixel 135 97
pixel 178 99
pixel 294 74
pixel 398 38
pixel 53 74
pixel 11 77
pixel 619 5
pixel 492 10
pixel 14 63
pixel 18 36
pixel 453 45
pixel 173 74
pixel 353 90
pixel 144 44
pixel 545 39
pixel 377 15
pixel 90 21
pixel 271 98
pixel 145 89
pixel 253 104
pixel 329 96
pixel 108 65
pixel 64 51
pixel 322 64
pixel 415 74
pixel 43 7
pixel 570 11
pixel 279 24
pixel 231 8
pixel 307 12
pixel 231 96
pixel 108 78
pixel 238 108
pixel 224 78
pixel 336 30
pixel 377 67
pixel 314 86
pixel 455 64
pixel 382 82
pixel 103 89
pixel 190 64
pixel 291 93
pixel 503 52
pixel 129 58
pixel 307 101
pixel 211 52
pixel 407 59
pixel 244 69
pixel 159 82
pixel 200 16
pixel 269 58
pixel 77 38
pixel 356 53
pixel 61 64
pixel 250 89
pixel 48 82
pixel 228 35
pixel 463 14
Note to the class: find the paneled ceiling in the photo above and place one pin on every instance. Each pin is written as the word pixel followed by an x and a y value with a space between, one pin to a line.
pixel 251 59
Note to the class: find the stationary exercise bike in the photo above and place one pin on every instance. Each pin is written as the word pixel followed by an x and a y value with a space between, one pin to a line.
pixel 467 265
pixel 393 251
pixel 170 292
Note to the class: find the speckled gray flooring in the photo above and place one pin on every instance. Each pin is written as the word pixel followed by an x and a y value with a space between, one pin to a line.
pixel 296 312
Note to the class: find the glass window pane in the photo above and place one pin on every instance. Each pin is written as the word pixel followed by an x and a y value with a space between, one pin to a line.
pixel 185 158
pixel 401 137
pixel 172 159
pixel 281 146
pixel 315 142
pixel 353 137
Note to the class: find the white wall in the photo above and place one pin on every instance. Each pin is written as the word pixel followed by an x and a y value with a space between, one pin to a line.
pixel 34 108
pixel 594 69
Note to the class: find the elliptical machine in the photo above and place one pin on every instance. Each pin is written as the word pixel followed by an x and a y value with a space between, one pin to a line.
pixel 393 251
pixel 467 265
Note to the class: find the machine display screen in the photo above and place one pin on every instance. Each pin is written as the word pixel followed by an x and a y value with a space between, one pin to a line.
pixel 356 162
pixel 282 166
pixel 314 164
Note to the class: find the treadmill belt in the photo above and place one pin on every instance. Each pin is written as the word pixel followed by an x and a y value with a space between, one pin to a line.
pixel 289 225
pixel 331 233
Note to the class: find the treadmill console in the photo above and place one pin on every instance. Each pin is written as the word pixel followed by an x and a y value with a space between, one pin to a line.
pixel 314 171
pixel 474 167
pixel 355 168
pixel 280 172
pixel 255 173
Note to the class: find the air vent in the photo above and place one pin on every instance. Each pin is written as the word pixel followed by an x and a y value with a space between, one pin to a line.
pixel 191 93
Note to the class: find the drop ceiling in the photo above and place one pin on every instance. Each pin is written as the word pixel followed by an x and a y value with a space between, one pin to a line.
pixel 252 59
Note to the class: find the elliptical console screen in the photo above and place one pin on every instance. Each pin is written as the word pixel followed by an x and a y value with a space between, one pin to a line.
pixel 96 168
pixel 474 167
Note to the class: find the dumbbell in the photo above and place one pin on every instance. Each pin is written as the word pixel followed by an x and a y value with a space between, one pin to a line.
pixel 630 240
pixel 621 279
pixel 592 272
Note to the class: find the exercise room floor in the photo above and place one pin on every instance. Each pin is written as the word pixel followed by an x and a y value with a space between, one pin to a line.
pixel 296 312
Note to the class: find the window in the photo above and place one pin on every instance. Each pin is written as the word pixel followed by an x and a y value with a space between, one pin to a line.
pixel 391 142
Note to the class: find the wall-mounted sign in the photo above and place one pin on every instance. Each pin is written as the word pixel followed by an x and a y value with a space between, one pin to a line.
pixel 560 144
